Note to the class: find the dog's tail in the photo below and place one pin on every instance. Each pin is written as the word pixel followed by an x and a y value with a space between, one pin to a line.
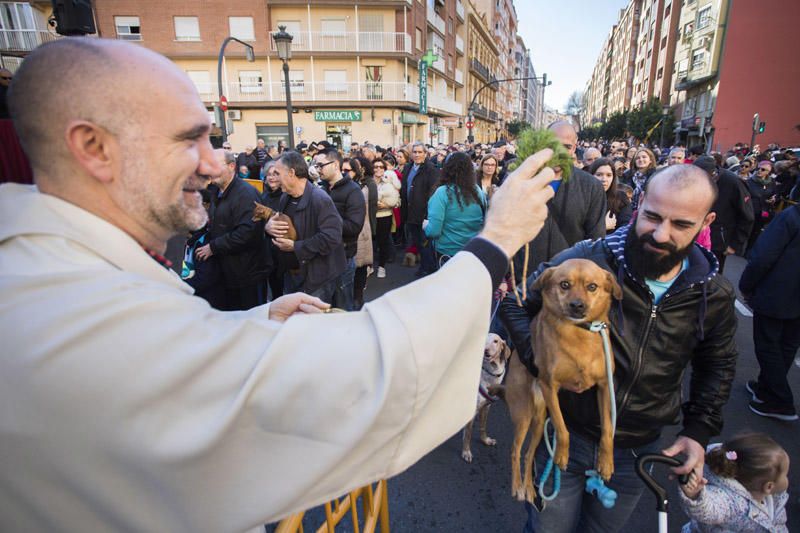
pixel 497 390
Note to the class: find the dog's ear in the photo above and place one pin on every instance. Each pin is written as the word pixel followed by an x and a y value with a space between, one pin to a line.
pixel 544 279
pixel 613 287
pixel 506 351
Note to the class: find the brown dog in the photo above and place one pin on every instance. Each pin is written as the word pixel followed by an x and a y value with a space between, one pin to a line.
pixel 262 212
pixel 495 355
pixel 575 293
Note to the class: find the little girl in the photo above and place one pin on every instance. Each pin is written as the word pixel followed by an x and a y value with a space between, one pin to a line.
pixel 744 488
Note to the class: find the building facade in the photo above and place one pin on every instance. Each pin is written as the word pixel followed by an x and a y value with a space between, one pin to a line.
pixel 23 27
pixel 353 74
pixel 623 60
pixel 483 67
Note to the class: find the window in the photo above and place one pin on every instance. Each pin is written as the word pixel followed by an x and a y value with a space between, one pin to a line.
pixel 336 26
pixel 663 42
pixel 297 83
pixel 449 24
pixel 273 134
pixel 187 29
pixel 128 28
pixel 449 62
pixel 335 81
pixel 668 11
pixel 698 59
pixel 201 80
pixel 250 81
pixel 292 26
pixel 16 16
pixel 418 40
pixel 704 17
pixel 660 73
pixel 241 28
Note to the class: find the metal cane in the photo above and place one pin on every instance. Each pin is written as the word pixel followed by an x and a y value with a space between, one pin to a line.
pixel 662 504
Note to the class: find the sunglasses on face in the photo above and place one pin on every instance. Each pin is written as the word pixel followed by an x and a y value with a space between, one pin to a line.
pixel 763 169
pixel 379 167
pixel 347 169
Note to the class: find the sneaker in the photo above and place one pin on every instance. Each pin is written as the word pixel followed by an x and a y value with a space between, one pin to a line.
pixel 752 387
pixel 369 271
pixel 770 410
pixel 381 272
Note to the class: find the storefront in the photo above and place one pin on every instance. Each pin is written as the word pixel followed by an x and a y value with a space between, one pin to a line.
pixel 338 125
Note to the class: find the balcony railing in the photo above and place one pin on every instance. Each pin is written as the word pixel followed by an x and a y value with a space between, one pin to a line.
pixel 459 44
pixel 24 40
pixel 480 69
pixel 445 104
pixel 436 21
pixel 460 10
pixel 364 41
pixel 320 91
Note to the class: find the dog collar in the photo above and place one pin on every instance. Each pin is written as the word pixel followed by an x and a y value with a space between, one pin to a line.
pixel 594 326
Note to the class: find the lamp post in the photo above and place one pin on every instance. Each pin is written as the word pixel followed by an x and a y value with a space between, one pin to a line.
pixel 251 56
pixel 470 109
pixel 664 118
pixel 283 42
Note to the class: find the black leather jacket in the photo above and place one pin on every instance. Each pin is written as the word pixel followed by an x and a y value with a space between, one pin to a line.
pixel 653 344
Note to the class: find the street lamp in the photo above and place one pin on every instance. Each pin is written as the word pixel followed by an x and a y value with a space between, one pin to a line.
pixel 664 118
pixel 283 43
pixel 251 56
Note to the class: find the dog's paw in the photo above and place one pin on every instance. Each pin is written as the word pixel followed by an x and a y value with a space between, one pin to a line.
pixel 530 493
pixel 518 494
pixel 605 465
pixel 488 441
pixel 562 457
pixel 467 456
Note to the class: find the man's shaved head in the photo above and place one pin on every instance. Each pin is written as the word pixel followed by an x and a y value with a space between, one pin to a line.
pixel 87 71
pixel 684 176
pixel 566 134
pixel 122 133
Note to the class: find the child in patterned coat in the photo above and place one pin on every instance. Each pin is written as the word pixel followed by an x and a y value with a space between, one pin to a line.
pixel 744 488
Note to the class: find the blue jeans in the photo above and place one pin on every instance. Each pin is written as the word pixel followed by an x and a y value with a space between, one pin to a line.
pixel 343 294
pixel 294 283
pixel 576 510
pixel 417 237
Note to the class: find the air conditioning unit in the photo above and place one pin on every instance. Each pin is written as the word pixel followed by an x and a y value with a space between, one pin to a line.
pixel 235 114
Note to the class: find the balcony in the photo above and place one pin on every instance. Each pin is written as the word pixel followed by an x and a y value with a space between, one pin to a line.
pixel 459 76
pixel 24 40
pixel 460 10
pixel 480 69
pixel 442 103
pixel 321 91
pixel 459 45
pixel 365 41
pixel 436 21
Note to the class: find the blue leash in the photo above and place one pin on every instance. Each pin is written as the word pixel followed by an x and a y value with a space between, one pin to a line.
pixel 594 483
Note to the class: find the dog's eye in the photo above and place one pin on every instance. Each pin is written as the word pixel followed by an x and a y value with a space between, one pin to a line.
pixel 565 285
pixel 592 287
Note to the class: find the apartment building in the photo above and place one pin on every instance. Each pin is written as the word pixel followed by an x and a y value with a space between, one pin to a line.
pixel 598 89
pixel 697 61
pixel 655 51
pixel 483 55
pixel 623 65
pixel 501 16
pixel 530 94
pixel 353 74
pixel 23 27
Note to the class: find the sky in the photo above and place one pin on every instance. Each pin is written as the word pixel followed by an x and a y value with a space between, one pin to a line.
pixel 564 38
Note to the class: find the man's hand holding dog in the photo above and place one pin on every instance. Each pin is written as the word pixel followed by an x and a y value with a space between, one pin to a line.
pixel 284 245
pixel 695 456
pixel 204 252
pixel 519 207
pixel 277 228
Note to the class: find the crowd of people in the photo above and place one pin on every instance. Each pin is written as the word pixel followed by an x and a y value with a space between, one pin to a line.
pixel 139 406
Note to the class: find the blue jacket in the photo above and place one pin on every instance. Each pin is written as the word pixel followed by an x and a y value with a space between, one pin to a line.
pixel 452 225
pixel 771 281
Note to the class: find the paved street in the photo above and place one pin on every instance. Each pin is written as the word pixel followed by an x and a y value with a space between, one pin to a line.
pixel 443 493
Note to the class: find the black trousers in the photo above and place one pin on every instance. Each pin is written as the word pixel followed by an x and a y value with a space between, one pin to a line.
pixel 243 298
pixel 383 238
pixel 776 342
pixel 720 255
pixel 359 284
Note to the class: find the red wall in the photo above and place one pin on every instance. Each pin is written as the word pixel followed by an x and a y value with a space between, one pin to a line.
pixel 759 72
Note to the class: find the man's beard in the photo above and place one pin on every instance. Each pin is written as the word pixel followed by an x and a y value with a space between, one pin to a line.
pixel 648 264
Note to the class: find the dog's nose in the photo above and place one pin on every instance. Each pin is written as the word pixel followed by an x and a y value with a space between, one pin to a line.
pixel 577 307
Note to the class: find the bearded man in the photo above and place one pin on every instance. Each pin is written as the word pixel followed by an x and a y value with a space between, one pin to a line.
pixel 676 309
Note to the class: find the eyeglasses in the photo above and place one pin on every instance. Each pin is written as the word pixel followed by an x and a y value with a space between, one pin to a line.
pixel 376 167
pixel 347 169
pixel 5 78
pixel 320 166
pixel 763 169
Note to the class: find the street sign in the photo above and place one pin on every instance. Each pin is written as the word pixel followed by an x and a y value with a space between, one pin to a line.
pixel 470 124
pixel 337 115
pixel 223 103
pixel 423 87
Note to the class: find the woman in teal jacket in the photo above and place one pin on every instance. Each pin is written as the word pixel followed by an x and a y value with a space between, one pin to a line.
pixel 457 209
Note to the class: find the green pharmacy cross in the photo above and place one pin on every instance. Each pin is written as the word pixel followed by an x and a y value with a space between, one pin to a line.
pixel 429 58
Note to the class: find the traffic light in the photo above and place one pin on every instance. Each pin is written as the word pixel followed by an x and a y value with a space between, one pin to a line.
pixel 761 127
